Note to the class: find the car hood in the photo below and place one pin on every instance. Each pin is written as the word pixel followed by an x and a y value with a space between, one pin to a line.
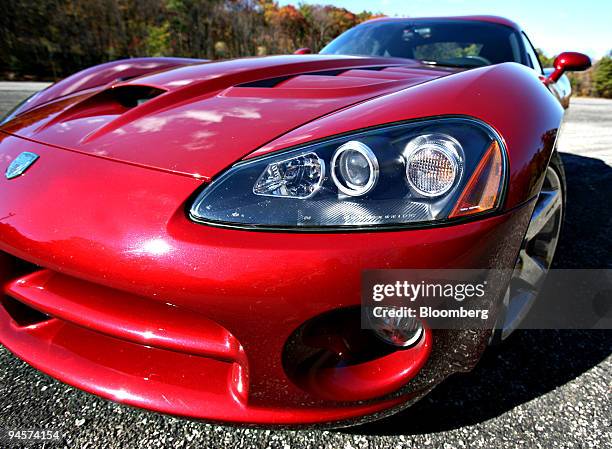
pixel 199 119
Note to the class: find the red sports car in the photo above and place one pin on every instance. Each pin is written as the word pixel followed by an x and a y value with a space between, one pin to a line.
pixel 189 236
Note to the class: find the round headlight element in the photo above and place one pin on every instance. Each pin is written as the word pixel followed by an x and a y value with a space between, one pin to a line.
pixel 434 162
pixel 401 332
pixel 354 168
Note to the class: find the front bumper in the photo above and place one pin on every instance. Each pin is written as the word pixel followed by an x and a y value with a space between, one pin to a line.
pixel 152 310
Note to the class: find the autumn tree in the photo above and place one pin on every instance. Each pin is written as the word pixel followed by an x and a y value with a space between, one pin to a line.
pixel 53 38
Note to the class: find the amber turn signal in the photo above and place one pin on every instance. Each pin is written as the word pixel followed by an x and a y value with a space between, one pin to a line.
pixel 483 189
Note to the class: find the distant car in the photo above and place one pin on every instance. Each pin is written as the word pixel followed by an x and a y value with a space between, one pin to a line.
pixel 189 236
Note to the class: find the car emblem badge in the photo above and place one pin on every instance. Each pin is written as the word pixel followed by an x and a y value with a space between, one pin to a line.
pixel 20 164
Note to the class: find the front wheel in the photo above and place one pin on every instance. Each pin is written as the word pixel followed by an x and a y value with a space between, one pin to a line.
pixel 537 251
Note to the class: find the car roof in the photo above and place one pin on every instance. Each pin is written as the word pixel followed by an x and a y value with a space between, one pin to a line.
pixel 483 18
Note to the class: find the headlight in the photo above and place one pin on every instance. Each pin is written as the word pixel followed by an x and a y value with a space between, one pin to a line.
pixel 354 168
pixel 412 173
pixel 297 177
pixel 433 164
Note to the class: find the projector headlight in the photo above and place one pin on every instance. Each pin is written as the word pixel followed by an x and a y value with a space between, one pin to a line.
pixel 413 173
pixel 297 177
pixel 354 168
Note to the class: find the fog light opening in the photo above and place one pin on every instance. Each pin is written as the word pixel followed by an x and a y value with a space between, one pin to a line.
pixel 333 358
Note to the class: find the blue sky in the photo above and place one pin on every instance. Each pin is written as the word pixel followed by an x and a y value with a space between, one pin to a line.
pixel 554 26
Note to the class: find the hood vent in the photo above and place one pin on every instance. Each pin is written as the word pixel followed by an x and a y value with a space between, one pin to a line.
pixel 130 96
pixel 113 101
pixel 270 82
pixel 273 82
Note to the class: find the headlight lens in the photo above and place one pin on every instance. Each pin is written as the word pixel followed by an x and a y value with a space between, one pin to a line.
pixel 433 164
pixel 416 172
pixel 354 168
pixel 298 177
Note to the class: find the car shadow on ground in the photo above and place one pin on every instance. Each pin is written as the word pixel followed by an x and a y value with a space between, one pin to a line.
pixel 531 362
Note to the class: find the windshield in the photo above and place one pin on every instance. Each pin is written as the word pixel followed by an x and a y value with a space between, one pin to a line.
pixel 458 43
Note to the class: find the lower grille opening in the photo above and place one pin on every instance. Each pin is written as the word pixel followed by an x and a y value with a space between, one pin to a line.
pixel 22 267
pixel 22 314
pixel 13 268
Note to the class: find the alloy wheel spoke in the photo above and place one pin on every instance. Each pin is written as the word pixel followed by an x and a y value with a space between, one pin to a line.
pixel 548 203
pixel 531 271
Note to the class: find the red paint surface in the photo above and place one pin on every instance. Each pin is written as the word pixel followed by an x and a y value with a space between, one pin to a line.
pixel 206 119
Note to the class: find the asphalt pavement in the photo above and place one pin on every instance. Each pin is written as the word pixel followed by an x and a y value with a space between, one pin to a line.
pixel 539 389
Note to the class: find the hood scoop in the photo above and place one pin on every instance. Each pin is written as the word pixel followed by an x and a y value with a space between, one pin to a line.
pixel 110 102
pixel 273 82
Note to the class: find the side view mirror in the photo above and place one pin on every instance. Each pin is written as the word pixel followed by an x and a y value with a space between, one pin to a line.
pixel 569 61
pixel 303 51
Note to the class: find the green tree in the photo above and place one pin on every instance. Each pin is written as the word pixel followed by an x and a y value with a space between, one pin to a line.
pixel 157 42
pixel 546 61
pixel 602 77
